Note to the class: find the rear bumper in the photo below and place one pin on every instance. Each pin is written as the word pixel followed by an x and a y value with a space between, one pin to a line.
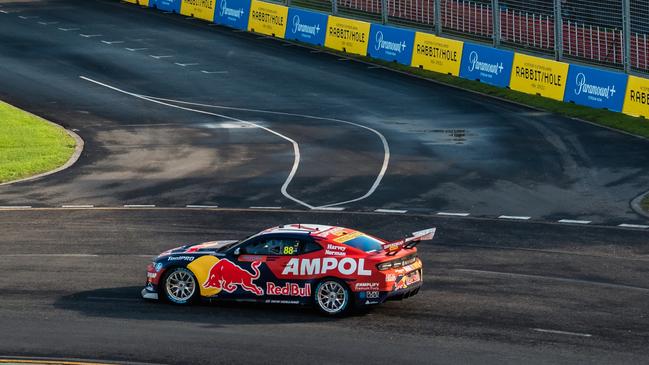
pixel 365 299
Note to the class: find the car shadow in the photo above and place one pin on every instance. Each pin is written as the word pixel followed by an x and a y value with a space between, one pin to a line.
pixel 126 303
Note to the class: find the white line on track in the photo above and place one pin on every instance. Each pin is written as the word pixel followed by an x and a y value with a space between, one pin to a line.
pixel 139 206
pixel 185 64
pixel 159 57
pixel 391 211
pixel 452 214
pixel 334 209
pixel 135 49
pixel 200 206
pixel 77 206
pixel 514 217
pixel 214 72
pixel 640 226
pixel 68 29
pixel 265 207
pixel 112 42
pixel 28 17
pixel 553 278
pixel 572 221
pixel 15 207
pixel 557 332
pixel 90 35
pixel 4 12
pixel 386 147
pixel 47 23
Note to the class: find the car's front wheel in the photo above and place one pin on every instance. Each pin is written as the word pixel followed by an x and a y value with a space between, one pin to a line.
pixel 180 286
pixel 332 297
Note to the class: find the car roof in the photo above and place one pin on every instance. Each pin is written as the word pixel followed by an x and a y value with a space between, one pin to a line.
pixel 329 233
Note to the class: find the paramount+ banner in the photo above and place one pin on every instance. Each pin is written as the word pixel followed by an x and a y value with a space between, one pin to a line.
pixel 534 75
pixel 269 19
pixel 437 54
pixel 391 44
pixel 636 99
pixel 233 13
pixel 306 26
pixel 595 88
pixel 489 65
pixel 347 35
pixel 201 9
pixel 168 5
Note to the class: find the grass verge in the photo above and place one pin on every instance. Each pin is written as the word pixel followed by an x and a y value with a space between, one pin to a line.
pixel 29 145
pixel 644 204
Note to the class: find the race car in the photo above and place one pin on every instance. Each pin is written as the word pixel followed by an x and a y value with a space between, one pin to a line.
pixel 333 268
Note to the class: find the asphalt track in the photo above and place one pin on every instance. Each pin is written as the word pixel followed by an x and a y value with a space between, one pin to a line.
pixel 496 291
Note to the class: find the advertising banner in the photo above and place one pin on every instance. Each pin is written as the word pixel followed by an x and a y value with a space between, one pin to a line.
pixel 266 18
pixel 391 44
pixel 347 35
pixel 233 13
pixel 201 9
pixel 595 88
pixel 489 65
pixel 168 5
pixel 437 54
pixel 636 99
pixel 535 75
pixel 306 26
pixel 140 2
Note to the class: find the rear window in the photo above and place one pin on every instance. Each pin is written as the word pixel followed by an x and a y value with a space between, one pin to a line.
pixel 365 243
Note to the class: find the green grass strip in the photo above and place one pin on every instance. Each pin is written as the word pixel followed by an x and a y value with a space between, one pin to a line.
pixel 29 145
pixel 644 204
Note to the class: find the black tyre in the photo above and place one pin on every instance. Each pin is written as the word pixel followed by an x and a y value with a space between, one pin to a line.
pixel 180 286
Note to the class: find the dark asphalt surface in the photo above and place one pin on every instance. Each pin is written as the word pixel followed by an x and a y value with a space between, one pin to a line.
pixel 489 287
pixel 495 291
pixel 450 150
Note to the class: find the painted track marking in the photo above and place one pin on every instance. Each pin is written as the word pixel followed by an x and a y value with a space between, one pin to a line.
pixel 557 332
pixel 640 226
pixel 139 206
pixel 265 207
pixel 384 142
pixel 77 206
pixel 15 207
pixel 453 214
pixel 400 211
pixel 573 221
pixel 514 217
pixel 200 206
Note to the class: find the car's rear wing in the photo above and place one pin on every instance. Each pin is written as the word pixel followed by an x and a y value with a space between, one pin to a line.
pixel 408 243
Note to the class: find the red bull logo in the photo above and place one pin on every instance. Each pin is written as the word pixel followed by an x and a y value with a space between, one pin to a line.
pixel 227 275
pixel 291 289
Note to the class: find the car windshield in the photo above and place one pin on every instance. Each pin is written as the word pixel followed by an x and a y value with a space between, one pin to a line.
pixel 365 243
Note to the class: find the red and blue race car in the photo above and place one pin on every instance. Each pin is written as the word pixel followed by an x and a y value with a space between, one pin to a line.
pixel 333 268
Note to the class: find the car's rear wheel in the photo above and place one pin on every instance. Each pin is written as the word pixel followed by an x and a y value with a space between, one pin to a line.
pixel 332 297
pixel 180 286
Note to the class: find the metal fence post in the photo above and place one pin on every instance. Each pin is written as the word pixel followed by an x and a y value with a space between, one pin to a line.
pixel 626 26
pixel 438 17
pixel 384 11
pixel 495 13
pixel 558 31
pixel 288 2
pixel 334 7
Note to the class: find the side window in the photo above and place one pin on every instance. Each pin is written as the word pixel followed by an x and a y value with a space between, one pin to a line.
pixel 274 246
pixel 310 246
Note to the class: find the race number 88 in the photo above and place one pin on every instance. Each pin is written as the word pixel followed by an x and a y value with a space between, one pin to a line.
pixel 288 250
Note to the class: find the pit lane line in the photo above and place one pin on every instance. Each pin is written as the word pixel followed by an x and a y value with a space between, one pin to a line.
pixel 296 148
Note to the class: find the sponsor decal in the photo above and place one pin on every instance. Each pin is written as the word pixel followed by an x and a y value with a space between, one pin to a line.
pixel 347 35
pixel 636 99
pixel 181 258
pixel 201 9
pixel 372 294
pixel 534 75
pixel 594 92
pixel 437 54
pixel 269 19
pixel 291 289
pixel 151 275
pixel 308 29
pixel 347 237
pixel 382 44
pixel 225 11
pixel 233 13
pixel 406 281
pixel 390 277
pixel 334 250
pixel 227 276
pixel 366 286
pixel 158 267
pixel 371 302
pixel 595 88
pixel 345 266
pixel 275 301
pixel 476 65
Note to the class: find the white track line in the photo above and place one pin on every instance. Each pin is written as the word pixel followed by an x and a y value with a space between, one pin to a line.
pixel 15 207
pixel 265 207
pixel 68 29
pixel 77 206
pixel 451 214
pixel 139 206
pixel 333 209
pixel 47 23
pixel 135 49
pixel 557 332
pixel 112 42
pixel 572 221
pixel 200 206
pixel 514 217
pixel 185 64
pixel 90 35
pixel 158 57
pixel 214 72
pixel 384 142
pixel 296 148
pixel 391 211
pixel 640 226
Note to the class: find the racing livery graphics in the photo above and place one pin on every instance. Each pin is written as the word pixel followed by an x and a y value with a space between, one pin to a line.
pixel 333 268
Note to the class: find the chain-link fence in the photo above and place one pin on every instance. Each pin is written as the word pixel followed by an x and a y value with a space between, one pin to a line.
pixel 611 33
